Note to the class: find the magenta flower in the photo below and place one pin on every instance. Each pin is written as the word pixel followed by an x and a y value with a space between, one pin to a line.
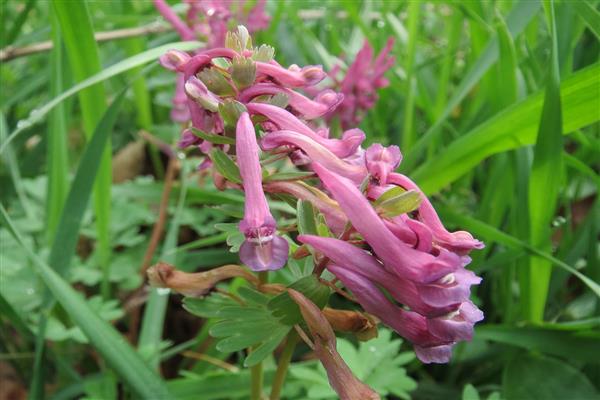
pixel 361 82
pixel 316 152
pixel 293 76
pixel 350 142
pixel 408 324
pixel 334 217
pixel 398 257
pixel 323 103
pixel 263 249
pixel 460 242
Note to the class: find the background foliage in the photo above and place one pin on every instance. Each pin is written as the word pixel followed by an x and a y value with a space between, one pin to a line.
pixel 495 105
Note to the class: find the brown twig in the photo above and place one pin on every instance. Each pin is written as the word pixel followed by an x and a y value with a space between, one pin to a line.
pixel 211 360
pixel 10 53
pixel 157 232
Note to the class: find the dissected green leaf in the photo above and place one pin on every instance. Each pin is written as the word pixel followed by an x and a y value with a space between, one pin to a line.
pixel 109 343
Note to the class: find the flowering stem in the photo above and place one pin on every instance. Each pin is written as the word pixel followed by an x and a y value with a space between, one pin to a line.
pixel 284 363
pixel 256 376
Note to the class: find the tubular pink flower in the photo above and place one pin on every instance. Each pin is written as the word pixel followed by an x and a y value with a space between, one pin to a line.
pixel 382 160
pixel 182 29
pixel 334 217
pixel 460 242
pixel 323 103
pixel 405 261
pixel 315 151
pixel 285 120
pixel 263 249
pixel 292 77
pixel 457 325
pixel 361 82
pixel 408 324
pixel 359 261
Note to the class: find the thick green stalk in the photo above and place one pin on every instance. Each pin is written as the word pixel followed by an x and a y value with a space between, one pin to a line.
pixel 82 51
pixel 408 130
pixel 283 365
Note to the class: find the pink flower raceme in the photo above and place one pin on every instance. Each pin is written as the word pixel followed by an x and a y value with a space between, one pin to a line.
pixel 448 314
pixel 359 85
pixel 263 249
pixel 397 256
pixel 208 19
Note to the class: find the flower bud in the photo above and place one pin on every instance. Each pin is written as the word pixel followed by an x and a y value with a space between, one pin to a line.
pixel 174 60
pixel 198 91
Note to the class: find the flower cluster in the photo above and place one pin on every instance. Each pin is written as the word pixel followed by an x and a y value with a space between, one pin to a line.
pixel 209 20
pixel 360 83
pixel 385 241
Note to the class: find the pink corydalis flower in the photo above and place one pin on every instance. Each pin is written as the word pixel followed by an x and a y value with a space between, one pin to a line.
pixel 344 147
pixel 263 249
pixel 460 242
pixel 397 256
pixel 361 82
pixel 322 104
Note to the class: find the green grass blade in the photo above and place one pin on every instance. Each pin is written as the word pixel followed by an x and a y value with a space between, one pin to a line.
pixel 18 24
pixel 545 180
pixel 110 344
pixel 58 163
pixel 83 55
pixel 493 235
pixel 65 241
pixel 517 20
pixel 589 15
pixel 580 103
pixel 408 130
pixel 38 115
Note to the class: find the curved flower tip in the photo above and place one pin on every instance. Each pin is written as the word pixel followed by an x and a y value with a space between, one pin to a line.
pixel 457 325
pixel 381 161
pixel 263 249
pixel 174 59
pixel 294 76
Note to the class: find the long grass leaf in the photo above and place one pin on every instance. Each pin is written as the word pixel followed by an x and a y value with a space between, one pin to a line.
pixel 589 15
pixel 408 130
pixel 58 163
pixel 514 127
pixel 494 235
pixel 545 179
pixel 38 114
pixel 517 20
pixel 83 55
pixel 110 344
